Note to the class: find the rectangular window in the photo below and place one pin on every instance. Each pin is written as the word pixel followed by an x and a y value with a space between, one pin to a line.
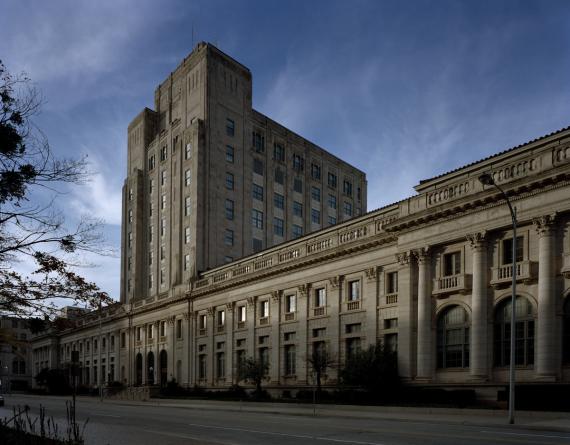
pixel 228 259
pixel 257 192
pixel 123 339
pixel 130 194
pixel 264 309
pixel 162 227
pixel 229 237
pixel 290 304
pixel 297 231
pixel 130 241
pixel 162 255
pixel 391 342
pixel 150 231
pixel 179 328
pixel 358 194
pixel 229 154
pixel 347 208
pixel 130 216
pixel 278 201
pixel 162 277
pixel 220 365
pixel 315 216
pixel 229 181
pixel 290 358
pixel 163 153
pixel 315 171
pixel 316 194
pixel 353 328
pixel 331 180
pixel 258 142
pixel 151 162
pixel 320 297
pixel 188 151
pixel 202 320
pixel 298 185
pixel 354 290
pixel 278 226
pixel 257 219
pixel 187 174
pixel 151 209
pixel 187 206
pixel 186 262
pixel 257 245
pixel 352 347
pixel 451 264
pixel 332 220
pixel 332 201
pixel 347 188
pixel 297 209
pixel 279 177
pixel 202 366
pixel 162 202
pixel 150 331
pixel 220 318
pixel 229 209
pixel 279 152
pixel 392 283
pixel 508 250
pixel 258 166
pixel 163 328
pixel 390 323
pixel 150 186
pixel 298 163
pixel 186 235
pixel 163 178
pixel 230 127
pixel 241 313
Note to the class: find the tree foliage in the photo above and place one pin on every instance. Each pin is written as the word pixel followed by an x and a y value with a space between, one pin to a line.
pixel 254 371
pixel 31 229
pixel 374 369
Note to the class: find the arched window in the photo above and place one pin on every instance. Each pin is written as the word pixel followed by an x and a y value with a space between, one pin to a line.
pixel 524 333
pixel 150 368
pixel 139 369
pixel 453 338
pixel 566 333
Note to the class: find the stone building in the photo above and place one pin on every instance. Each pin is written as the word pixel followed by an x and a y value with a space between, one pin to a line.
pixel 211 180
pixel 429 276
pixel 15 354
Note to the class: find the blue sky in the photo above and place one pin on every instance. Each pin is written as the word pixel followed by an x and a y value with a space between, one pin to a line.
pixel 404 90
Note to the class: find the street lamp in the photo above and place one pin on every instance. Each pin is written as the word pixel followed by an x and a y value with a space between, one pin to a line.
pixel 487 179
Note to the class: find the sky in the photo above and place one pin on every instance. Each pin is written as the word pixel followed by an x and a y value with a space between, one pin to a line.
pixel 403 90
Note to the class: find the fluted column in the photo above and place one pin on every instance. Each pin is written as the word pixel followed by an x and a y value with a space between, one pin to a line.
pixel 425 335
pixel 478 354
pixel 229 350
pixel 547 350
pixel 334 304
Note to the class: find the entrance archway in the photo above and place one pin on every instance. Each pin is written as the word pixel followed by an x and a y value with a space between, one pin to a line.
pixel 150 368
pixel 139 369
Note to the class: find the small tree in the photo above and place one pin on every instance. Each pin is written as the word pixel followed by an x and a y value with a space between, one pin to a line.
pixel 319 361
pixel 254 371
pixel 374 369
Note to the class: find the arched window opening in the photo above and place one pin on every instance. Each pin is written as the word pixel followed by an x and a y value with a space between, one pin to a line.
pixel 163 368
pixel 453 338
pixel 139 368
pixel 150 369
pixel 524 333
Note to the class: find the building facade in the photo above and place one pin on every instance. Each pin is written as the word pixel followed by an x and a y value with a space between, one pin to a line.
pixel 211 180
pixel 429 276
pixel 15 354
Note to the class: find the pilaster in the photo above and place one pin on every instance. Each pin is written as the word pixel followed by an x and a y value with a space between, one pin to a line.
pixel 406 315
pixel 425 334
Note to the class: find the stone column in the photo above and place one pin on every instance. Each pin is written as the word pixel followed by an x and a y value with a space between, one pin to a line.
pixel 425 334
pixel 479 322
pixel 370 295
pixel 250 343
pixel 188 354
pixel 302 336
pixel 171 348
pixel 547 346
pixel 333 308
pixel 229 349
pixel 211 347
pixel 406 313
pixel 275 314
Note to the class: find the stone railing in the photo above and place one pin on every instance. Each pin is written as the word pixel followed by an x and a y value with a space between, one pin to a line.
pixel 290 316
pixel 391 298
pixel 319 311
pixel 353 305
pixel 451 284
pixel 263 321
pixel 330 240
pixel 525 271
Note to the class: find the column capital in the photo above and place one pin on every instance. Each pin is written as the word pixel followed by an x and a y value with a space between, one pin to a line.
pixel 372 272
pixel 171 320
pixel 404 258
pixel 188 315
pixel 477 240
pixel 422 255
pixel 276 295
pixel 251 301
pixel 543 224
pixel 210 311
pixel 336 281
pixel 230 306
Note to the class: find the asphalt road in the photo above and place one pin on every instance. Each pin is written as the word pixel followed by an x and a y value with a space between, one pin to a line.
pixel 141 424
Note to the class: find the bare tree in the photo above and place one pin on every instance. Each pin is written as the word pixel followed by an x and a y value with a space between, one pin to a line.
pixel 319 361
pixel 30 226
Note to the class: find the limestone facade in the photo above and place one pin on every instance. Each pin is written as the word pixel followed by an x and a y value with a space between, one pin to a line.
pixel 429 276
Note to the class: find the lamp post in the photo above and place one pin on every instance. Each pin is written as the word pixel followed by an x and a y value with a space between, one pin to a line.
pixel 487 179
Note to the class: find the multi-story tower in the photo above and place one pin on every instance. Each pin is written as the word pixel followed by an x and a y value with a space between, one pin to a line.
pixel 211 180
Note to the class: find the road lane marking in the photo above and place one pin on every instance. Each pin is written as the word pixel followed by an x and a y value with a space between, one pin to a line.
pixel 527 434
pixel 182 436
pixel 272 433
